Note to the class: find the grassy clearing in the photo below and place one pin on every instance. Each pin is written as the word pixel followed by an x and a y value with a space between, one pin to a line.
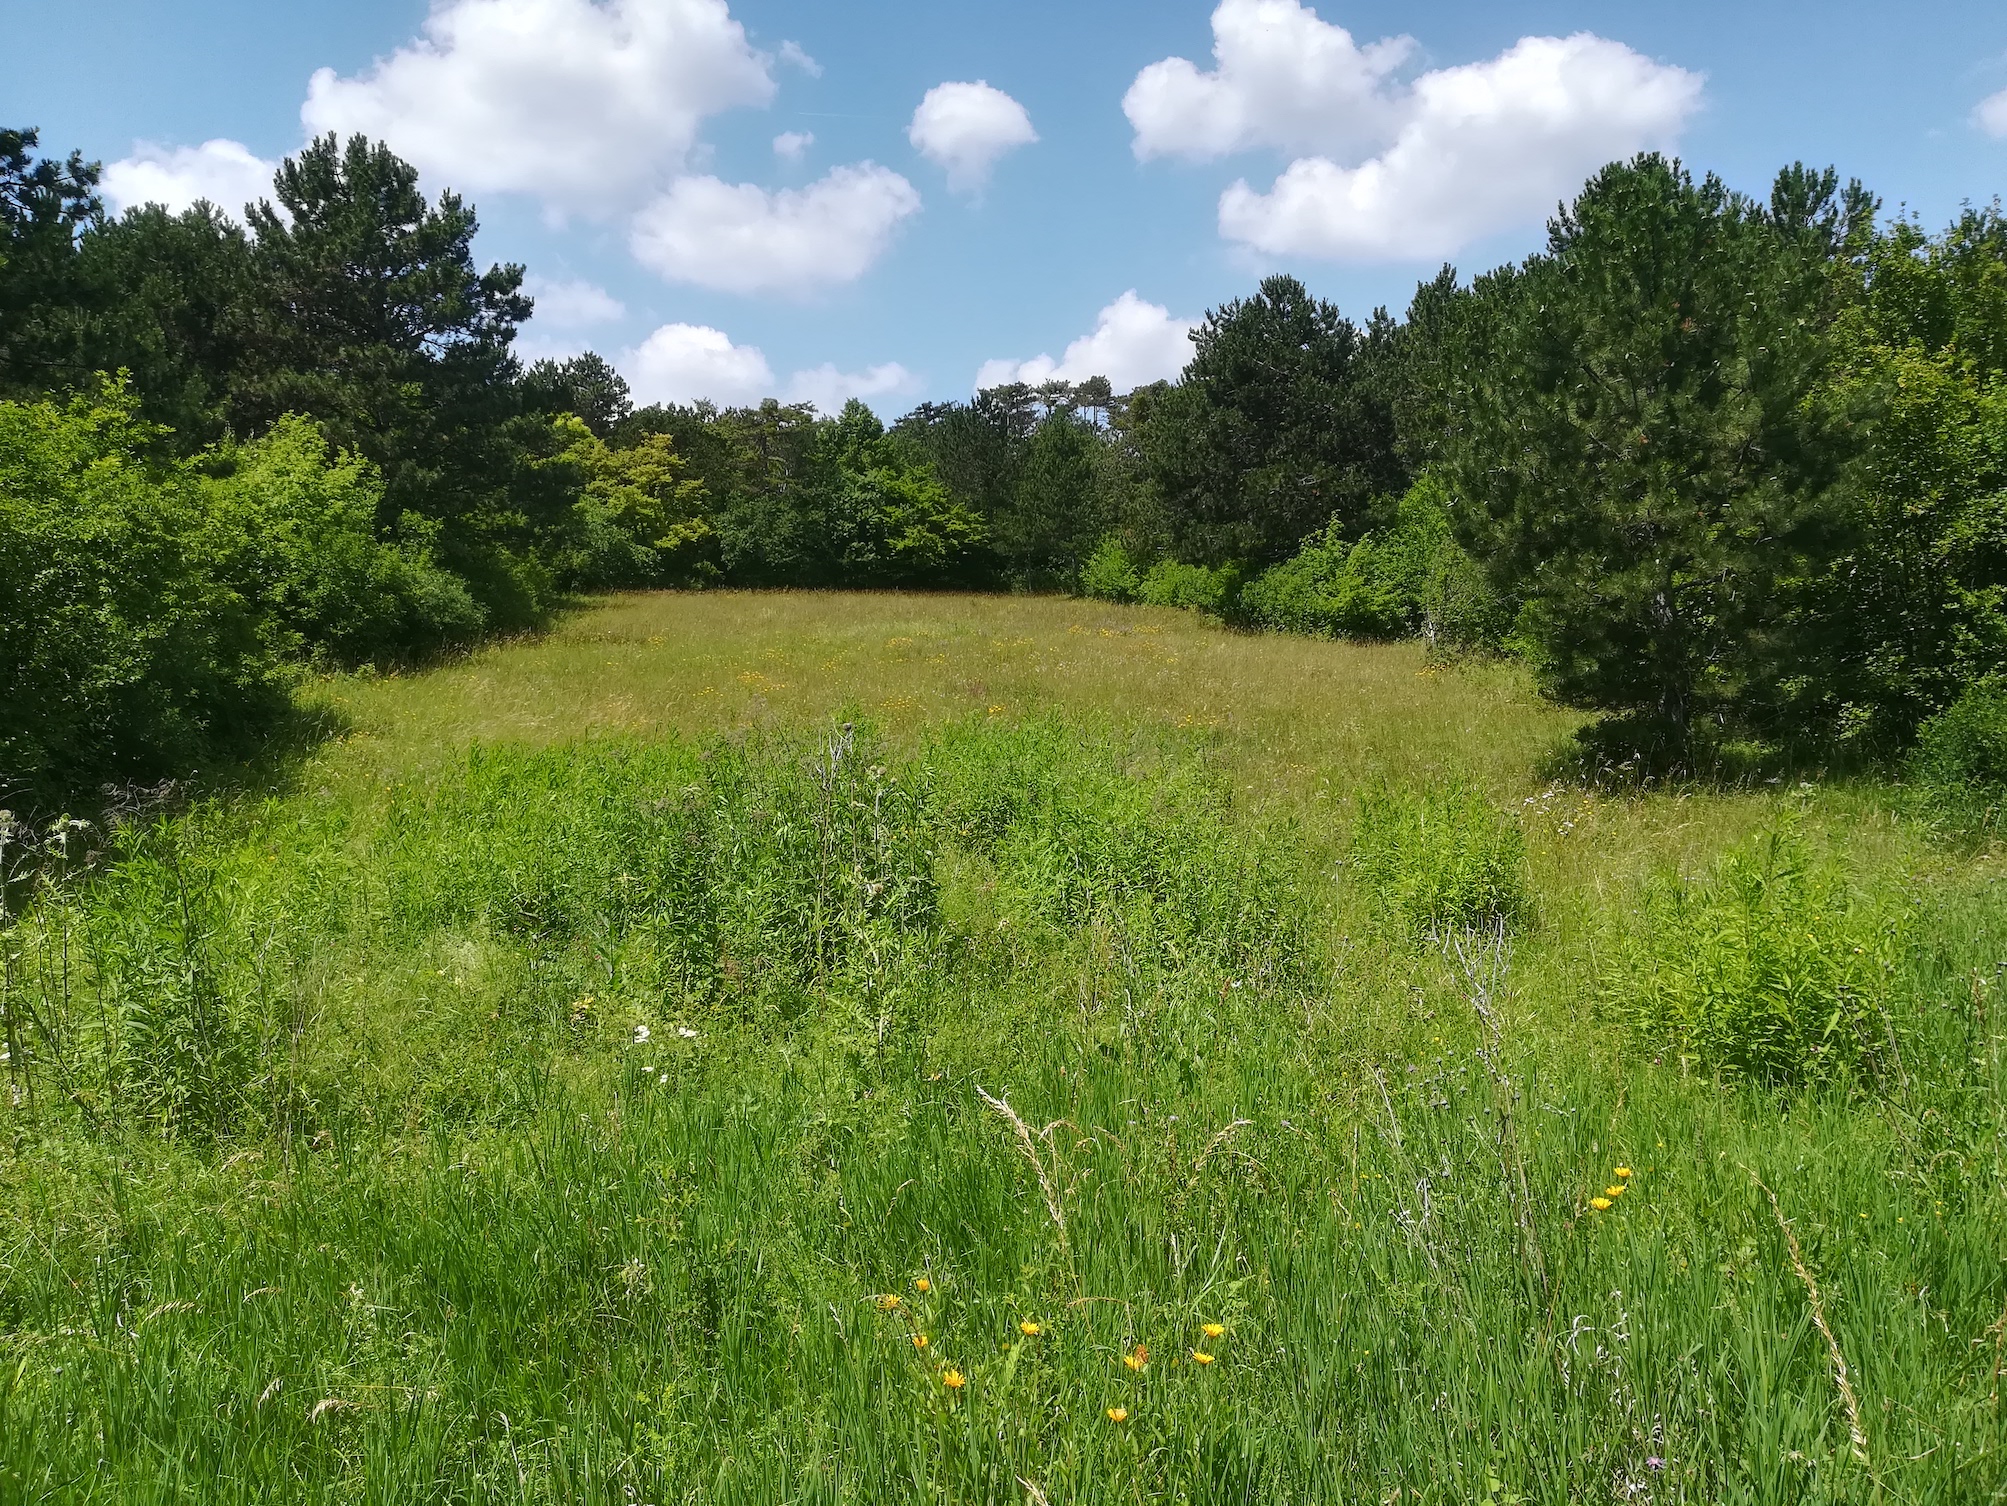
pixel 549 1097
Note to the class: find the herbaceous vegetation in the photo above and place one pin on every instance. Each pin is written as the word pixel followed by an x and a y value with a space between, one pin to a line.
pixel 1424 926
pixel 945 1044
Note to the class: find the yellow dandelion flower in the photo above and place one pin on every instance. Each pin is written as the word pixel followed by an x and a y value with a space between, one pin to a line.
pixel 1613 1192
pixel 1624 1172
pixel 1600 1204
pixel 1200 1357
pixel 1118 1414
pixel 919 1341
pixel 1138 1358
pixel 953 1380
pixel 1028 1328
pixel 922 1284
pixel 1214 1330
pixel 888 1303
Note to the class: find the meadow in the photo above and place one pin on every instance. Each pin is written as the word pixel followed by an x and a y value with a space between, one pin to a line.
pixel 844 1047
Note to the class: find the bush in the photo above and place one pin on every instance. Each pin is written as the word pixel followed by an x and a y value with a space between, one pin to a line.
pixel 1413 579
pixel 1440 860
pixel 1774 970
pixel 1195 587
pixel 127 651
pixel 1109 574
pixel 1959 766
pixel 299 524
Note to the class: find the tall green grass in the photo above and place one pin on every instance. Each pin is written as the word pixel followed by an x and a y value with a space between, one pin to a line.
pixel 558 1127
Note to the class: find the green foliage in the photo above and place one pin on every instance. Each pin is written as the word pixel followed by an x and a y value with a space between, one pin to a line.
pixel 1440 860
pixel 1914 607
pixel 1281 422
pixel 1109 574
pixel 338 1165
pixel 1775 969
pixel 1413 579
pixel 1195 587
pixel 640 520
pixel 1959 764
pixel 1635 452
pixel 126 650
pixel 300 521
pixel 152 608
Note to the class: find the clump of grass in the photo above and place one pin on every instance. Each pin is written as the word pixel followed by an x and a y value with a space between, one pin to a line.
pixel 1441 859
pixel 1774 969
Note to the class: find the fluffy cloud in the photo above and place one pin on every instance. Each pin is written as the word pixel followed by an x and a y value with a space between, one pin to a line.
pixel 1134 343
pixel 564 312
pixel 226 173
pixel 1485 146
pixel 1285 79
pixel 966 128
pixel 792 146
pixel 573 100
pixel 740 238
pixel 681 363
pixel 572 305
pixel 1400 171
pixel 1991 115
pixel 829 389
pixel 684 363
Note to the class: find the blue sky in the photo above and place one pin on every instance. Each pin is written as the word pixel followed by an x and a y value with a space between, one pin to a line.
pixel 666 229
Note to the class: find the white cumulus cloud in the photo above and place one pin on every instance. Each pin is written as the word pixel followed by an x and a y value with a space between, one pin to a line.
pixel 1991 115
pixel 792 146
pixel 572 100
pixel 1391 170
pixel 682 363
pixel 1485 146
pixel 1284 79
pixel 795 56
pixel 740 238
pixel 829 389
pixel 565 310
pixel 572 304
pixel 1133 344
pixel 686 363
pixel 967 128
pixel 226 173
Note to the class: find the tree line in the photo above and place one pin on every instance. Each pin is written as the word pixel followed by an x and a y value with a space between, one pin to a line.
pixel 1718 468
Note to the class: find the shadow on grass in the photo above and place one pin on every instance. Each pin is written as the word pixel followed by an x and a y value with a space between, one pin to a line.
pixel 1627 756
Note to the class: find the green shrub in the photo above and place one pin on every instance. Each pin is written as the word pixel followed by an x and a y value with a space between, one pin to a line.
pixel 1109 574
pixel 1413 579
pixel 1197 588
pixel 1959 766
pixel 300 525
pixel 1440 860
pixel 1773 970
pixel 127 650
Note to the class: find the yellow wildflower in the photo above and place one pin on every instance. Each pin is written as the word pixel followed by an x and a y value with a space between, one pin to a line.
pixel 1200 1357
pixel 888 1303
pixel 1118 1414
pixel 919 1341
pixel 1028 1328
pixel 1600 1204
pixel 1613 1192
pixel 1138 1359
pixel 1624 1172
pixel 922 1284
pixel 1213 1330
pixel 953 1380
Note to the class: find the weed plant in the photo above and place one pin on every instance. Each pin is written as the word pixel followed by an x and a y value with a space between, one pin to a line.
pixel 1015 1107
